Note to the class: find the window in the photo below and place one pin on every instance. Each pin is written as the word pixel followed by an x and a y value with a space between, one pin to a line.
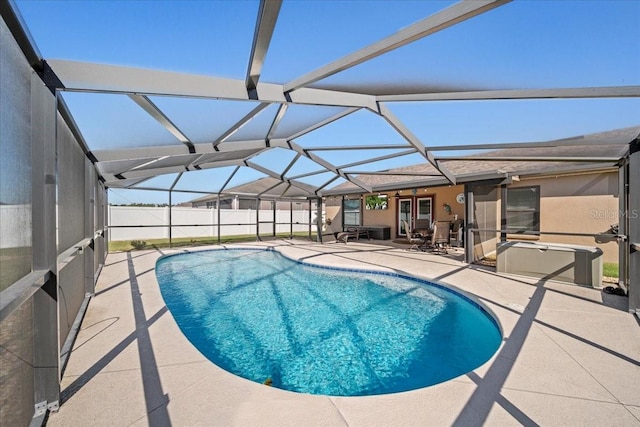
pixel 523 209
pixel 379 201
pixel 351 212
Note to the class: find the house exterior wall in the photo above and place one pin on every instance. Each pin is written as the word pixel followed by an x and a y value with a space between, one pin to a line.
pixel 572 203
pixel 389 217
pixel 333 212
pixel 579 203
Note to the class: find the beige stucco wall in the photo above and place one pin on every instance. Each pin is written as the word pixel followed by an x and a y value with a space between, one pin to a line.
pixel 388 217
pixel 333 212
pixel 577 203
pixel 585 203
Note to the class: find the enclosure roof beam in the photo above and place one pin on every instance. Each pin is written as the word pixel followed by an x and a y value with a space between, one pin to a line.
pixel 174 150
pixel 18 28
pixel 565 142
pixel 391 173
pixel 175 182
pixel 380 158
pixel 285 190
pixel 228 180
pixel 151 172
pixel 450 16
pixel 100 78
pixel 585 92
pixel 304 175
pixel 359 147
pixel 324 122
pixel 362 162
pixel 533 159
pixel 155 112
pixel 328 166
pixel 414 141
pixel 271 188
pixel 175 191
pixel 282 109
pixel 265 24
pixel 290 165
pixel 277 176
pixel 239 124
pixel 320 188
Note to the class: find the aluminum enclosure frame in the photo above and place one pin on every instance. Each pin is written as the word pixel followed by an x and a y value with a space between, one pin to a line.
pixel 50 78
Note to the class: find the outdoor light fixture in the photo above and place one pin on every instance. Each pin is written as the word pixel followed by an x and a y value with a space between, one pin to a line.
pixel 397 195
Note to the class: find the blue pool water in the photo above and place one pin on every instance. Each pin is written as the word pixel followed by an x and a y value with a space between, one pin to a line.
pixel 260 315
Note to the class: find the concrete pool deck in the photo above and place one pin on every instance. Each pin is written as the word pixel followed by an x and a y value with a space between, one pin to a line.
pixel 570 356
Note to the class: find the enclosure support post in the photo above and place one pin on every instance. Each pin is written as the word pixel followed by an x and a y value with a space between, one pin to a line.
pixel 173 185
pixel 468 223
pixel 309 219
pixel 503 213
pixel 218 208
pixel 257 219
pixel 89 226
pixel 319 219
pixel 275 221
pixel 290 220
pixel 44 141
pixel 633 245
pixel 623 224
pixel 107 223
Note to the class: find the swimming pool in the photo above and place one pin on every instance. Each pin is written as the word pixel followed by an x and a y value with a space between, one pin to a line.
pixel 264 317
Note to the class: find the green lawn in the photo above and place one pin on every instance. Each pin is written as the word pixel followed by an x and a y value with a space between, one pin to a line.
pixel 610 269
pixel 125 245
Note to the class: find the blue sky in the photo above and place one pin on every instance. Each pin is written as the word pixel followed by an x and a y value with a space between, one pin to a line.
pixel 524 44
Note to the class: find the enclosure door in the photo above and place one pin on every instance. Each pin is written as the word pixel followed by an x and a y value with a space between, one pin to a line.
pixel 404 214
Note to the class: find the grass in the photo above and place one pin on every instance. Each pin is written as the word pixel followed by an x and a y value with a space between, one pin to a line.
pixel 610 269
pixel 125 245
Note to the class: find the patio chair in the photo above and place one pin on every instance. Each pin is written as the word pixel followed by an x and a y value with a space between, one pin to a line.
pixel 440 238
pixel 414 241
pixel 344 236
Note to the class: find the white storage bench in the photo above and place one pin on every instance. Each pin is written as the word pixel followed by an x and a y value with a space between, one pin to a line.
pixel 581 265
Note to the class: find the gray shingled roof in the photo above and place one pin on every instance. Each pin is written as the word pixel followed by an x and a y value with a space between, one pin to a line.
pixel 611 144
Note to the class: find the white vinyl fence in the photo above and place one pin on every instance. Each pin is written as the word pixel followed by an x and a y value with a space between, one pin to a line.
pixel 139 223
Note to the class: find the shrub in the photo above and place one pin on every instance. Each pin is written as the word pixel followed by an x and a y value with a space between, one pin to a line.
pixel 138 244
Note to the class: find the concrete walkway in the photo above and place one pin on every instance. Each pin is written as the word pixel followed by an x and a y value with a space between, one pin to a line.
pixel 570 357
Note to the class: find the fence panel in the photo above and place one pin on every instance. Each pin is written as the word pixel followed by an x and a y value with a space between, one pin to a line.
pixel 200 222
